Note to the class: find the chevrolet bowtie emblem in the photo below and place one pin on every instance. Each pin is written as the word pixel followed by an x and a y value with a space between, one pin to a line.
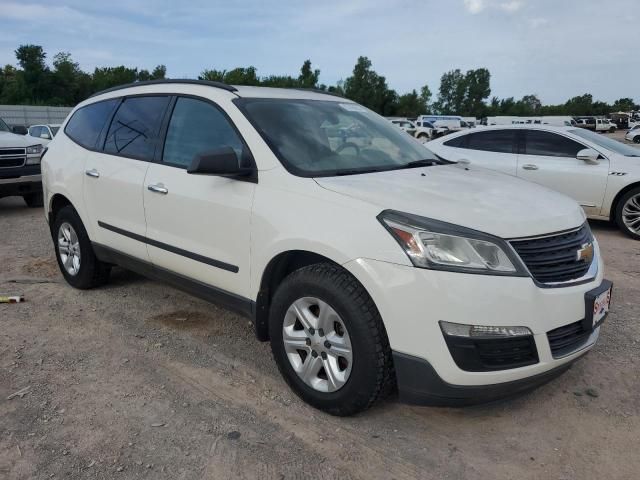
pixel 585 253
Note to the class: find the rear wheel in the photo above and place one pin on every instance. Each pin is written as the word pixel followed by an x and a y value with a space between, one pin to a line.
pixel 76 259
pixel 33 200
pixel 328 340
pixel 627 213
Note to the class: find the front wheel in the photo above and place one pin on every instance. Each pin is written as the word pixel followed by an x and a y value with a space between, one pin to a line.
pixel 423 138
pixel 627 214
pixel 328 340
pixel 636 139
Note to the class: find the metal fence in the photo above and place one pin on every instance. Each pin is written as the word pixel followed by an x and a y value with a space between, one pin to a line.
pixel 32 114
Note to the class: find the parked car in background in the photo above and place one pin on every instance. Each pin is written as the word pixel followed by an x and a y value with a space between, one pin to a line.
pixel 426 131
pixel 44 132
pixel 367 268
pixel 20 166
pixel 596 124
pixel 404 125
pixel 600 173
pixel 453 123
pixel 633 135
pixel 556 120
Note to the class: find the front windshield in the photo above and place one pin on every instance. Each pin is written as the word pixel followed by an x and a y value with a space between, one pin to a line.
pixel 54 130
pixel 4 127
pixel 314 138
pixel 606 142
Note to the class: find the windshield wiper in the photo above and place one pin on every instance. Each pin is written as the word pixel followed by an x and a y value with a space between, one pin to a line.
pixel 356 171
pixel 427 162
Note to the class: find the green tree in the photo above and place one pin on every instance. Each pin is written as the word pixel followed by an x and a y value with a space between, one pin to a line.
pixel 410 105
pixel 308 78
pixel 159 72
pixel 624 105
pixel 35 73
pixel 476 90
pixel 108 77
pixel 425 99
pixel 451 93
pixel 580 105
pixel 368 88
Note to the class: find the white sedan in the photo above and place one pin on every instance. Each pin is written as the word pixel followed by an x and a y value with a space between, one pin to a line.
pixel 633 134
pixel 602 174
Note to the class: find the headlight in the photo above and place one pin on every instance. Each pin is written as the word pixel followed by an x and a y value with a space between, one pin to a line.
pixel 34 149
pixel 443 246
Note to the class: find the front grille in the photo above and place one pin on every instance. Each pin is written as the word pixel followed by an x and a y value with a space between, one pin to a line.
pixel 477 354
pixel 12 157
pixel 555 258
pixel 567 339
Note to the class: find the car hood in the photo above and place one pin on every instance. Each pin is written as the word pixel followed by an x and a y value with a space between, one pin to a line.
pixel 11 140
pixel 472 197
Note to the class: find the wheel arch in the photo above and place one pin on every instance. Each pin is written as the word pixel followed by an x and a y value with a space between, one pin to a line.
pixel 274 273
pixel 56 203
pixel 618 197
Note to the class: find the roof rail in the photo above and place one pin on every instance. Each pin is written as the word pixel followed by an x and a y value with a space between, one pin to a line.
pixel 208 83
pixel 317 90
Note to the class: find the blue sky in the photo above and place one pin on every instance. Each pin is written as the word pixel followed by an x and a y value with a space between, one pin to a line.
pixel 554 48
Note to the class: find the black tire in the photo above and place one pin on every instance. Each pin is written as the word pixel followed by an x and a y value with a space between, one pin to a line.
pixel 372 376
pixel 612 130
pixel 636 139
pixel 33 200
pixel 618 213
pixel 424 137
pixel 92 272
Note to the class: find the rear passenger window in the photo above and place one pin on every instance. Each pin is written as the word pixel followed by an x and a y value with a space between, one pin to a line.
pixel 458 142
pixel 538 142
pixel 135 126
pixel 501 141
pixel 196 127
pixel 85 125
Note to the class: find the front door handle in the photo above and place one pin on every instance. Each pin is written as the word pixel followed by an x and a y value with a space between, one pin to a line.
pixel 158 188
pixel 530 166
pixel 92 173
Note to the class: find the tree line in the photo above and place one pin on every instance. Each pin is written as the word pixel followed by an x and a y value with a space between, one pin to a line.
pixel 64 83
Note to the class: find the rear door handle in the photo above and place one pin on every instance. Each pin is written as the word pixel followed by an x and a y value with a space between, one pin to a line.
pixel 92 173
pixel 530 166
pixel 158 188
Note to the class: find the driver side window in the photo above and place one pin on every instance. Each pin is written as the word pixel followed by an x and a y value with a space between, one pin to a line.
pixel 197 126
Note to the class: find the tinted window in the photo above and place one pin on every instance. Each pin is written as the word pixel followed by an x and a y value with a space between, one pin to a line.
pixel 501 141
pixel 458 142
pixel 196 127
pixel 550 144
pixel 35 131
pixel 135 126
pixel 87 122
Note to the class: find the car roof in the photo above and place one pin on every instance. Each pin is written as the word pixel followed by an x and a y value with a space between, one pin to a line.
pixel 242 91
pixel 535 126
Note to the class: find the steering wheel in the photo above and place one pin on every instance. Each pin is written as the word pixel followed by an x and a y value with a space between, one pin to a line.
pixel 348 145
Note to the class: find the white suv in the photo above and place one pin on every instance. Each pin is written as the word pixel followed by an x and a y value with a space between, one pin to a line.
pixel 600 173
pixel 366 261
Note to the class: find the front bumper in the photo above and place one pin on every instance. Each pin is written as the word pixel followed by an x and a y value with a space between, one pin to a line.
pixel 22 185
pixel 412 301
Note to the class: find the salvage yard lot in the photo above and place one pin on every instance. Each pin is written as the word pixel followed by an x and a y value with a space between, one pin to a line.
pixel 138 380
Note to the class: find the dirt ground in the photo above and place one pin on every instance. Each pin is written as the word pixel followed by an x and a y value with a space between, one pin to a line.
pixel 137 380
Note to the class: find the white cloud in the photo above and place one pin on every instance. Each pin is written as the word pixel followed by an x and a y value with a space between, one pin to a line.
pixel 511 5
pixel 538 22
pixel 474 6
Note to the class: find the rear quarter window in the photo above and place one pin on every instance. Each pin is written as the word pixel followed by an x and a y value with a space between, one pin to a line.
pixel 458 142
pixel 87 122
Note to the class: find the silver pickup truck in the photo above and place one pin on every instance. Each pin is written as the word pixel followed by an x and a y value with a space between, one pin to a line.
pixel 20 166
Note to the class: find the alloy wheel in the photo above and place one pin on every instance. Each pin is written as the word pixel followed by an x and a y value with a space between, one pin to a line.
pixel 69 248
pixel 317 344
pixel 631 214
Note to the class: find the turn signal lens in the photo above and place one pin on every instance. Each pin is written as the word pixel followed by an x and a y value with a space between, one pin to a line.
pixel 461 330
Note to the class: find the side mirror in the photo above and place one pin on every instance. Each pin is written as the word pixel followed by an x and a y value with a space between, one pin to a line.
pixel 589 156
pixel 223 162
pixel 19 130
pixel 45 136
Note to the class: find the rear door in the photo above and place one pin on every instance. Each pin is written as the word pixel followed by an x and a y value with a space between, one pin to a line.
pixel 199 225
pixel 115 174
pixel 549 158
pixel 493 149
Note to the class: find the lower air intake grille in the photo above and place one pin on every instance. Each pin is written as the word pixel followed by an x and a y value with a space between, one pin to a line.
pixel 567 339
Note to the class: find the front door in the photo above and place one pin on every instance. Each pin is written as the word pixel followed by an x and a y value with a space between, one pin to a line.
pixel 549 158
pixel 199 225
